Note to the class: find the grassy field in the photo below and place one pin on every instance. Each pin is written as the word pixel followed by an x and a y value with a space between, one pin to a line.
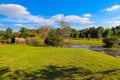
pixel 21 62
pixel 84 41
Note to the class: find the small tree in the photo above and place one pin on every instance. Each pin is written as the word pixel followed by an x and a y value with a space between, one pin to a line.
pixel 24 32
pixel 53 39
pixel 111 41
pixel 2 33
pixel 8 33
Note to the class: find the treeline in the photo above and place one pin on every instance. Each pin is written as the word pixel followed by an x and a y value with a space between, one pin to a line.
pixel 63 31
pixel 98 32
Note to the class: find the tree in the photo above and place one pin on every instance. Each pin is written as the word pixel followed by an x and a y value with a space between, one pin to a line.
pixel 111 41
pixel 24 32
pixel 100 31
pixel 107 33
pixel 64 29
pixel 53 39
pixel 32 32
pixel 74 33
pixel 82 33
pixel 43 32
pixel 8 33
pixel 93 32
pixel 34 42
pixel 2 33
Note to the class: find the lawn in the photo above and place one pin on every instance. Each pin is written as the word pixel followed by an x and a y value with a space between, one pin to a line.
pixel 21 62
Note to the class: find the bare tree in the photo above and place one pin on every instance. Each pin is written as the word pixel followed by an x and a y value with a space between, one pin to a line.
pixel 64 29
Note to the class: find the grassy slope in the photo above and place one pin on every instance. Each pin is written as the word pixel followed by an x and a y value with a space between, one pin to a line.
pixel 19 57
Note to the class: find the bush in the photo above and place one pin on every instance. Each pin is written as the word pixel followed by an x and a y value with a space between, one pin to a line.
pixel 53 39
pixel 111 41
pixel 34 42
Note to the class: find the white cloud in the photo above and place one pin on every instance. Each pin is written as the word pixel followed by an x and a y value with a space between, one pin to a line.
pixel 13 10
pixel 113 8
pixel 2 25
pixel 18 13
pixel 79 27
pixel 76 27
pixel 58 17
pixel 19 25
pixel 78 19
pixel 87 15
pixel 72 18
pixel 39 20
pixel 17 20
pixel 29 26
pixel 89 26
pixel 113 23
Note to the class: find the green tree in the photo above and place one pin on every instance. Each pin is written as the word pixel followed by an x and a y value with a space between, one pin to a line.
pixel 93 32
pixel 2 33
pixel 53 39
pixel 8 33
pixel 24 32
pixel 107 33
pixel 74 33
pixel 111 41
pixel 100 31
pixel 82 33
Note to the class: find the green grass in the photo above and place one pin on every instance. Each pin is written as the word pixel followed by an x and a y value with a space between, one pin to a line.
pixel 21 62
pixel 85 41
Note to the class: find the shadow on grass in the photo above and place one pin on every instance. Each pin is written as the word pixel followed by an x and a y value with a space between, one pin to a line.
pixel 51 73
pixel 101 75
pixel 109 71
pixel 4 70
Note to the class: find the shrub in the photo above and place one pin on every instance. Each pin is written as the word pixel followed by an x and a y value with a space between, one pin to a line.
pixel 110 41
pixel 53 39
pixel 34 42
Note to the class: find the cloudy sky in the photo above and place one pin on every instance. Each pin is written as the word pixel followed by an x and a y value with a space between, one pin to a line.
pixel 78 13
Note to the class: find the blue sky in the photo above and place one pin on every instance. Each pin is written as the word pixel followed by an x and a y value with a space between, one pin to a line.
pixel 78 13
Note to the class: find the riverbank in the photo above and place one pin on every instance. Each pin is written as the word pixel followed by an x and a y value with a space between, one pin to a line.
pixel 110 51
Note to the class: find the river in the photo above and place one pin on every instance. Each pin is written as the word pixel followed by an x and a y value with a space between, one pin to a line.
pixel 97 48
